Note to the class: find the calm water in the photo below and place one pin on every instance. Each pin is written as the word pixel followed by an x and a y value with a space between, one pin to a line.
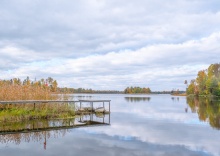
pixel 154 125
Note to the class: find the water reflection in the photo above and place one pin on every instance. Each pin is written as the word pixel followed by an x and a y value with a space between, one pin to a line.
pixel 208 110
pixel 42 130
pixel 160 127
pixel 175 99
pixel 84 97
pixel 137 99
pixel 41 136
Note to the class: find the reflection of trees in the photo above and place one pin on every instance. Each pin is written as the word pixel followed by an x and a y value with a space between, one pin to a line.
pixel 35 125
pixel 34 136
pixel 39 130
pixel 207 110
pixel 137 99
pixel 42 130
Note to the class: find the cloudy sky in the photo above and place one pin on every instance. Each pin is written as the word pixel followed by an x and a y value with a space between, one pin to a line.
pixel 109 44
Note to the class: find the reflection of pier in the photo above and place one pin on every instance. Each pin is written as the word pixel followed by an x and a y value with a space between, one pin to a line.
pixel 54 124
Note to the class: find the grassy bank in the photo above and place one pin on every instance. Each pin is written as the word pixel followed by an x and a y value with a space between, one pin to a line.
pixel 22 112
pixel 182 94
pixel 205 96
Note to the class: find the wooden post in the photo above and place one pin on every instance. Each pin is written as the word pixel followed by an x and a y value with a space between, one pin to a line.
pixel 92 109
pixel 109 107
pixel 109 112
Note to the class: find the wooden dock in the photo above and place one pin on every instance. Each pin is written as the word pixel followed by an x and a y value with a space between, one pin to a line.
pixel 51 101
pixel 80 102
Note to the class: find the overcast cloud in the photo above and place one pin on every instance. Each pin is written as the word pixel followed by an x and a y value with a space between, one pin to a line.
pixel 109 44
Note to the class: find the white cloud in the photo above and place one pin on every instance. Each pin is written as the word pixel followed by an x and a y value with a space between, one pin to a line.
pixel 150 66
pixel 93 43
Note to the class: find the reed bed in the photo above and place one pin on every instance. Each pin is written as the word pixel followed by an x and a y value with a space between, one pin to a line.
pixel 12 91
pixel 25 92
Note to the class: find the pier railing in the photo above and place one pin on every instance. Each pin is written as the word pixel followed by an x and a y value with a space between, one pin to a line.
pixel 81 102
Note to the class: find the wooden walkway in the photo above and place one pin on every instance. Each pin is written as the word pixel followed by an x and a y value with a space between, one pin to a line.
pixel 91 102
pixel 51 101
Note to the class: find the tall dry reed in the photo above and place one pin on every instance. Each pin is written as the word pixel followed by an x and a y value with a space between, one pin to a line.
pixel 25 92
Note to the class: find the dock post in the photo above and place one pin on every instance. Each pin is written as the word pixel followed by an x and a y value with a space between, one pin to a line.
pixel 109 112
pixel 109 107
pixel 92 109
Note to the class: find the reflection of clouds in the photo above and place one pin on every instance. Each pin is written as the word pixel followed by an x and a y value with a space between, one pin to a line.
pixel 161 121
pixel 194 137
pixel 79 142
pixel 164 111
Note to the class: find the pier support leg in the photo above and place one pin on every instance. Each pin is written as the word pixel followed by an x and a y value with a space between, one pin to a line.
pixel 109 112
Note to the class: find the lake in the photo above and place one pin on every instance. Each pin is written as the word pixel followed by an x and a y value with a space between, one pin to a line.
pixel 140 125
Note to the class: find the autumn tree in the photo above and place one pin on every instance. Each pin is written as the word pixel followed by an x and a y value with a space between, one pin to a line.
pixel 137 90
pixel 207 82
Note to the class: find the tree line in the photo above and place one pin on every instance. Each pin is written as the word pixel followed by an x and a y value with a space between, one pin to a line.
pixel 84 90
pixel 137 90
pixel 207 82
pixel 44 83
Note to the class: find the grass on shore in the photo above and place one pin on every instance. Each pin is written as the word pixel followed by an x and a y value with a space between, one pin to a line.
pixel 182 94
pixel 22 112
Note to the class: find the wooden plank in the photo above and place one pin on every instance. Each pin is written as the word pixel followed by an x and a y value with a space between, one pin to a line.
pixel 47 101
pixel 34 101
pixel 94 100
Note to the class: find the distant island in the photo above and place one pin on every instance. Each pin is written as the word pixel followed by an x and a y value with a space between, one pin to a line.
pixel 137 90
pixel 206 83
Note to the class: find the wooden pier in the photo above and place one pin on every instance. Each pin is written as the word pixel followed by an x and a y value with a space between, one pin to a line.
pixel 91 108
